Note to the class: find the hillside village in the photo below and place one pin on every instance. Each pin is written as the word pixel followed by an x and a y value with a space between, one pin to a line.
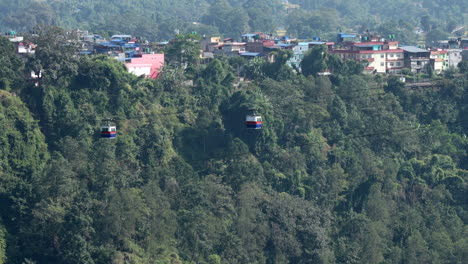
pixel 216 151
pixel 381 54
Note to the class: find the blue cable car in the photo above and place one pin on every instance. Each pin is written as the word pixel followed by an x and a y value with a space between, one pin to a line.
pixel 253 121
pixel 108 130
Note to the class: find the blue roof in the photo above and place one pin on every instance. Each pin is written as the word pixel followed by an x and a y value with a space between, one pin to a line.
pixel 344 35
pixel 252 54
pixel 285 45
pixel 130 45
pixel 121 36
pixel 317 42
pixel 107 44
pixel 249 35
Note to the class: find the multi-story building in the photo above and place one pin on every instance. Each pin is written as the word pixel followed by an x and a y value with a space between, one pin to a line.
pixel 454 56
pixel 208 43
pixel 438 60
pixel 382 56
pixel 395 61
pixel 416 59
pixel 465 54
pixel 299 50
pixel 229 48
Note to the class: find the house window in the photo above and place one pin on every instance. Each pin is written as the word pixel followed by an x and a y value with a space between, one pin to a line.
pixel 398 63
pixel 398 55
pixel 382 55
pixel 391 55
pixel 382 64
pixel 392 64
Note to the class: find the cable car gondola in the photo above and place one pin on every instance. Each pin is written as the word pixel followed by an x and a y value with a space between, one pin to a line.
pixel 253 120
pixel 108 130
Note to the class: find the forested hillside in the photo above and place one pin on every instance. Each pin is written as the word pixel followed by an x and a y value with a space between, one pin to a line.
pixel 348 168
pixel 158 20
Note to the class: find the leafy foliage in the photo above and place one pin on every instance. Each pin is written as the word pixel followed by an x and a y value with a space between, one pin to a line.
pixel 349 168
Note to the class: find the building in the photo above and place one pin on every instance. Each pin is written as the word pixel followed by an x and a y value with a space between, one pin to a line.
pixel 416 59
pixel 13 37
pixel 229 48
pixel 343 38
pixel 250 37
pixel 454 56
pixel 256 47
pixel 465 54
pixel 395 60
pixel 148 65
pixel 382 56
pixel 438 60
pixel 256 42
pixel 208 44
pixel 28 48
pixel 299 51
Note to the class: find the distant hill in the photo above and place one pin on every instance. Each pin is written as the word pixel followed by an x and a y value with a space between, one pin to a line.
pixel 158 20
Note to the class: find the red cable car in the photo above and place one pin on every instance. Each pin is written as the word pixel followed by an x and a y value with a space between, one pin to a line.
pixel 108 130
pixel 253 120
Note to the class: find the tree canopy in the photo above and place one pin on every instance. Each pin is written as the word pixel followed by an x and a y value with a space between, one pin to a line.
pixel 348 168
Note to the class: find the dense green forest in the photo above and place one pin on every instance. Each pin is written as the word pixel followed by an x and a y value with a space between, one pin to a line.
pixel 158 20
pixel 349 168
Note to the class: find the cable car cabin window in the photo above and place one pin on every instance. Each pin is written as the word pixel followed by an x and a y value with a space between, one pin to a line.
pixel 113 129
pixel 259 119
pixel 252 118
pixel 104 129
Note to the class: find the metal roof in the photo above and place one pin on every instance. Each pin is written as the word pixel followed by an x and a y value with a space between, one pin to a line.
pixel 252 54
pixel 412 49
pixel 344 35
pixel 366 46
pixel 107 44
pixel 317 42
pixel 121 36
pixel 284 45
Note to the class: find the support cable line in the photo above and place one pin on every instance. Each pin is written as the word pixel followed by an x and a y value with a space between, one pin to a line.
pixel 346 138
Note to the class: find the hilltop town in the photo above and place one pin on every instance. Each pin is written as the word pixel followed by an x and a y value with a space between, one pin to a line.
pixel 259 148
pixel 379 54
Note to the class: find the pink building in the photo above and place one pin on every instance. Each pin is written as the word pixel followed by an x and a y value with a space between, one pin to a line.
pixel 149 65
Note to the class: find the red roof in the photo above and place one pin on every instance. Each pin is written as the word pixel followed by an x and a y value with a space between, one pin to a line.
pixel 367 43
pixel 269 43
pixel 438 51
pixel 155 60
